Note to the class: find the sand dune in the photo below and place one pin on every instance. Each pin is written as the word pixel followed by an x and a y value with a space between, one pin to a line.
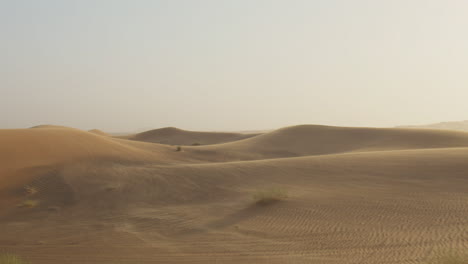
pixel 175 136
pixel 47 126
pixel 26 153
pixel 319 140
pixel 454 125
pixel 377 196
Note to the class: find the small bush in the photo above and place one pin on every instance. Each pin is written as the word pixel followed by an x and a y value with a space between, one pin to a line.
pixel 179 148
pixel 196 144
pixel 265 197
pixel 29 203
pixel 11 259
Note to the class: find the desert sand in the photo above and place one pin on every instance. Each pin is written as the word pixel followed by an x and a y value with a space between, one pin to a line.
pixel 355 195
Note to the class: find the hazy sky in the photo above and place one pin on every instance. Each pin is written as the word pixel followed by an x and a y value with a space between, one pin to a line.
pixel 232 65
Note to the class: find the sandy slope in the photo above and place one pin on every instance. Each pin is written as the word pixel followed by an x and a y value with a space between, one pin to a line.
pixel 175 136
pixel 378 196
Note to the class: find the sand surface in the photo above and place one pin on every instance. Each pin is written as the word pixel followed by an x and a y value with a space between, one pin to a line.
pixel 355 195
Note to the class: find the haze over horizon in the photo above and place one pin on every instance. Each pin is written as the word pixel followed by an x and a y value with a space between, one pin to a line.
pixel 232 65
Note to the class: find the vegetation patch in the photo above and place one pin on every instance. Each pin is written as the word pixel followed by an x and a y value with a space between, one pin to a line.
pixel 28 204
pixel 11 259
pixel 269 196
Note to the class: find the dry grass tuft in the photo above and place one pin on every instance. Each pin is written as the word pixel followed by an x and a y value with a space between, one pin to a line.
pixel 269 196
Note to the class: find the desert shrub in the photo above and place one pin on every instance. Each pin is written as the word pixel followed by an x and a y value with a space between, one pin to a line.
pixel 31 190
pixel 11 259
pixel 178 148
pixel 268 196
pixel 29 203
pixel 196 144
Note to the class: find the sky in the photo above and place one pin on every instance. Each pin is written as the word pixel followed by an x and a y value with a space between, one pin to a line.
pixel 121 65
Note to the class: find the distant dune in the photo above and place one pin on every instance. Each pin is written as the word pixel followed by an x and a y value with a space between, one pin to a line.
pixel 355 195
pixel 48 126
pixel 175 136
pixel 454 125
pixel 318 140
pixel 99 132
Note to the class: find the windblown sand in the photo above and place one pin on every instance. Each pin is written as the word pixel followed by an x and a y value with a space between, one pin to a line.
pixel 356 195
